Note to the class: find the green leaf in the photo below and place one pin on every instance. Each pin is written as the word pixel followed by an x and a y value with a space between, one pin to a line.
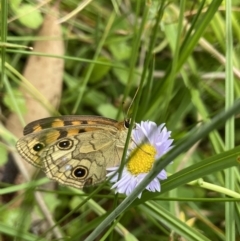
pixel 29 16
pixel 99 70
pixel 10 217
pixel 120 50
pixel 15 4
pixel 123 74
pixel 107 110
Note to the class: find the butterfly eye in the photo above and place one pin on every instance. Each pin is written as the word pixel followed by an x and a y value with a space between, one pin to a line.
pixel 65 144
pixel 80 172
pixel 38 147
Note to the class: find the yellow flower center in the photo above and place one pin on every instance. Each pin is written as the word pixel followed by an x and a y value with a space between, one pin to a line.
pixel 141 159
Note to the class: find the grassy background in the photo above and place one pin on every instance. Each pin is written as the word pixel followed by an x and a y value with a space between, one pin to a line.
pixel 179 55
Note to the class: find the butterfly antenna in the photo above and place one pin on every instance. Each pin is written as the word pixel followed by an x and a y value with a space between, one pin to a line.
pixel 131 104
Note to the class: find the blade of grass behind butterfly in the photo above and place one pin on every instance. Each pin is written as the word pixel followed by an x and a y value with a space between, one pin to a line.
pixel 147 91
pixel 148 59
pixel 138 31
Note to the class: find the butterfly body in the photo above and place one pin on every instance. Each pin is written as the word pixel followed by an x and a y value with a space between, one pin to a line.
pixel 74 150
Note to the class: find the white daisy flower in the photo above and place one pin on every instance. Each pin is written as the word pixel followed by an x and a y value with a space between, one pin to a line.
pixel 150 142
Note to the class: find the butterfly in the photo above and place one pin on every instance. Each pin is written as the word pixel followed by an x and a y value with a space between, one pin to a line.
pixel 74 150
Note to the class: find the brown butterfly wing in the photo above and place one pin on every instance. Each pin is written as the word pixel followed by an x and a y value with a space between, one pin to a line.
pixel 95 144
pixel 82 160
pixel 41 133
